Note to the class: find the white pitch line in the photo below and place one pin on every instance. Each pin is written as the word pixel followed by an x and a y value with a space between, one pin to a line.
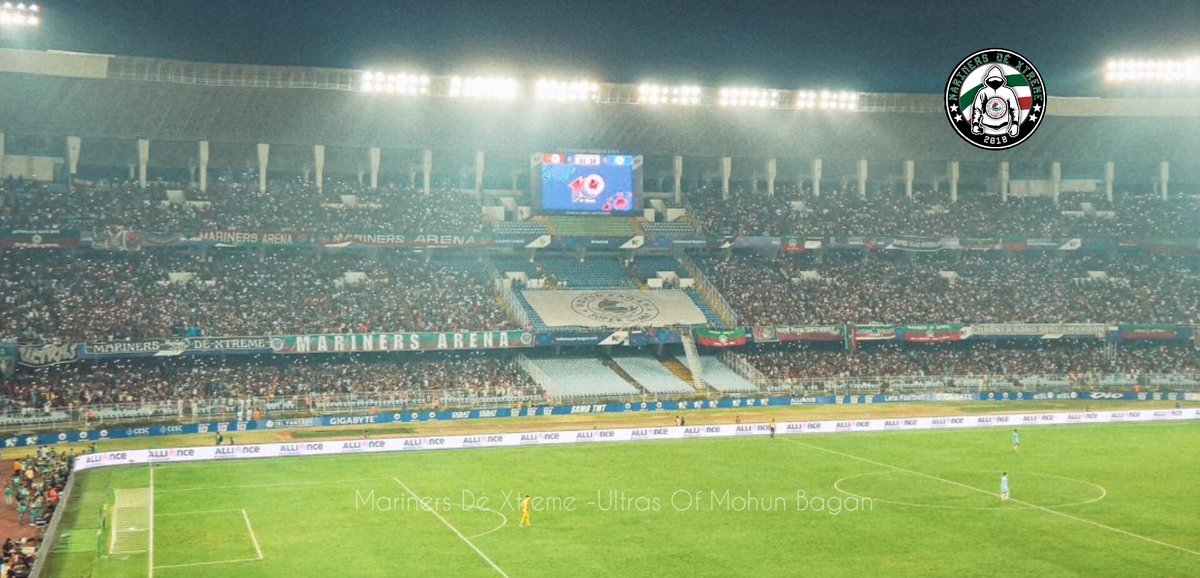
pixel 150 533
pixel 280 485
pixel 210 563
pixel 253 538
pixel 503 523
pixel 973 488
pixel 452 528
pixel 197 513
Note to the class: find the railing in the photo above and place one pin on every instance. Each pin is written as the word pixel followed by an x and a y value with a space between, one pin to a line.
pixel 243 75
pixel 983 383
pixel 693 358
pixel 539 376
pixel 710 293
pixel 281 407
pixel 507 296
pixel 743 368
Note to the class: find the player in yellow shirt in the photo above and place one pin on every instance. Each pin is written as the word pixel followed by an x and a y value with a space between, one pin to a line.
pixel 525 522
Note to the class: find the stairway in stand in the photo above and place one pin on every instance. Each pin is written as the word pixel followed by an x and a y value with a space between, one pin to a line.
pixel 693 359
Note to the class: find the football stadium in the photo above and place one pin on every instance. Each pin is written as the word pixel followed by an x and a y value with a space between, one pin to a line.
pixel 271 308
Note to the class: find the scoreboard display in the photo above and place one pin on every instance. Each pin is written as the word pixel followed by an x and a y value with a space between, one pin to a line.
pixel 576 183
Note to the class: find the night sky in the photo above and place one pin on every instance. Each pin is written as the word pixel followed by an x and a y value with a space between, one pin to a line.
pixel 845 44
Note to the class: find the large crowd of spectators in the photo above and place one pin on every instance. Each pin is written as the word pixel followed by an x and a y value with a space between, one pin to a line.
pixel 32 494
pixel 988 288
pixel 791 363
pixel 238 205
pixel 311 380
pixel 845 213
pixel 130 296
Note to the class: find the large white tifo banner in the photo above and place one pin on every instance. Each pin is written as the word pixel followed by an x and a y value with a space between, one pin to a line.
pixel 204 453
pixel 658 308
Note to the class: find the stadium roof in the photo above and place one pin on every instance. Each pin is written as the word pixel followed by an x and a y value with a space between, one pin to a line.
pixel 52 94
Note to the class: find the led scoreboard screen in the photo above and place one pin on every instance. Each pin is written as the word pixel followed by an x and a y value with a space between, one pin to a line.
pixel 587 183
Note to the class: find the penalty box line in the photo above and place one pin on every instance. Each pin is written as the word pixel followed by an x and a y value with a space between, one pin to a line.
pixel 982 491
pixel 465 539
pixel 253 539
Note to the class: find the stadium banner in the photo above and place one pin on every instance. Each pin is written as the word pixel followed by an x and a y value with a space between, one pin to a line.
pixel 40 239
pixel 378 342
pixel 714 338
pixel 530 438
pixel 799 244
pixel 980 243
pixel 810 332
pixel 173 347
pixel 1172 244
pixel 873 332
pixel 1016 244
pixel 933 332
pixel 48 354
pixel 917 243
pixel 634 242
pixel 764 334
pixel 582 338
pixel 409 416
pixel 118 238
pixel 1042 330
pixel 250 238
pixel 642 338
pixel 1042 244
pixel 1147 331
pixel 9 354
pixel 742 242
pixel 614 309
pixel 393 240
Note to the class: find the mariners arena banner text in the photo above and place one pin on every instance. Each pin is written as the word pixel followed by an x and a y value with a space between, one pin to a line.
pixel 366 342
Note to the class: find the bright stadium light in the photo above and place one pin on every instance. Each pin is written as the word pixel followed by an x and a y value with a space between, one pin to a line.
pixel 402 84
pixel 484 87
pixel 1164 71
pixel 567 91
pixel 805 99
pixel 683 95
pixel 828 100
pixel 20 15
pixel 740 96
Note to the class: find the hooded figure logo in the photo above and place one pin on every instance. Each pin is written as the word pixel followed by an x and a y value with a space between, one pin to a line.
pixel 995 110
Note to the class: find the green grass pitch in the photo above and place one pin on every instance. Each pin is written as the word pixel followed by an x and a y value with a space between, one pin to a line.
pixel 1112 500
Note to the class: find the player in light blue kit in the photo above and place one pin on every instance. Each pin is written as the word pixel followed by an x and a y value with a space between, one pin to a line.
pixel 1004 487
pixel 1016 441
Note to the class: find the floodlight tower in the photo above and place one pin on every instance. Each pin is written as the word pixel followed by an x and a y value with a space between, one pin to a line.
pixel 20 15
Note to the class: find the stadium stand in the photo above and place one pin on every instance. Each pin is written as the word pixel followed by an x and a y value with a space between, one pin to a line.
pixel 521 228
pixel 568 377
pixel 119 296
pixel 646 266
pixel 652 375
pixel 238 205
pixel 591 226
pixel 901 289
pixel 158 386
pixel 594 273
pixel 672 229
pixel 720 377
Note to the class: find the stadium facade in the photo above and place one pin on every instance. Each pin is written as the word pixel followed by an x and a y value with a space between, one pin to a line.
pixel 111 102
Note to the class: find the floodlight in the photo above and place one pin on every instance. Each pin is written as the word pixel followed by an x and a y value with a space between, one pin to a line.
pixel 483 87
pixel 19 15
pixel 404 83
pixel 1156 71
pixel 748 97
pixel 563 91
pixel 684 94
